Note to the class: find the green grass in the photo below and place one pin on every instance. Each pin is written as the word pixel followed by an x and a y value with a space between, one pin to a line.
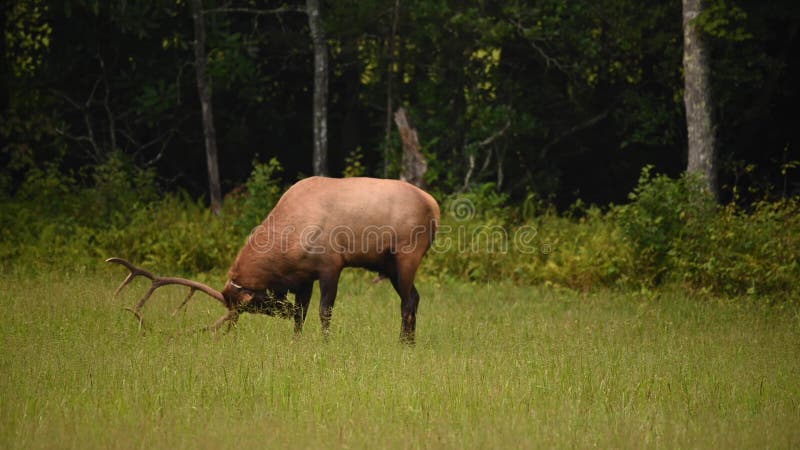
pixel 495 366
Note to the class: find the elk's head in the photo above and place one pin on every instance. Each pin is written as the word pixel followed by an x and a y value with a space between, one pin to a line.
pixel 267 302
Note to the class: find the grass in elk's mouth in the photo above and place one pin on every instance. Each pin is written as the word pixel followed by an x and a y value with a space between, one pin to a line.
pixel 494 366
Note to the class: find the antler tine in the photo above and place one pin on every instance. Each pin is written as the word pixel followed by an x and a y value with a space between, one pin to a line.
pixel 185 301
pixel 125 282
pixel 135 271
pixel 231 316
pixel 138 317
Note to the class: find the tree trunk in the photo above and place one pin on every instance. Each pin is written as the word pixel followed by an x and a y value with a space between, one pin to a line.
pixel 414 164
pixel 697 99
pixel 204 91
pixel 320 114
pixel 389 96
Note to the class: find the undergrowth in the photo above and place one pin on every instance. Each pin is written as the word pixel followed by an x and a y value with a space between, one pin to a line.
pixel 670 232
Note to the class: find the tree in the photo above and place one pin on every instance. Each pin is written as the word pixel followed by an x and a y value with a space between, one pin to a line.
pixel 320 114
pixel 389 82
pixel 697 98
pixel 204 91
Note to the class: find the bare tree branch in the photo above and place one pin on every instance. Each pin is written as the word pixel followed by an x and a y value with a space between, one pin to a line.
pixel 496 135
pixel 163 148
pixel 548 60
pixel 162 138
pixel 62 132
pixel 470 169
pixel 479 145
pixel 110 117
pixel 259 12
pixel 84 109
pixel 581 126
pixel 118 127
pixel 500 160
pixel 90 99
pixel 485 163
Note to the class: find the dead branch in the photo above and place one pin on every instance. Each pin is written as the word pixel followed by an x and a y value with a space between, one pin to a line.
pixel 258 12
pixel 414 164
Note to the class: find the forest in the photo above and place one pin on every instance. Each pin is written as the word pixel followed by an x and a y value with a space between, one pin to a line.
pixel 566 100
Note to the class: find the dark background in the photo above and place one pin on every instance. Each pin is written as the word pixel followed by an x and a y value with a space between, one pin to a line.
pixel 591 91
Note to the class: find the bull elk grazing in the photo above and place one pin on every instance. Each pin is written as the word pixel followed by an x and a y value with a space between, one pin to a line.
pixel 317 228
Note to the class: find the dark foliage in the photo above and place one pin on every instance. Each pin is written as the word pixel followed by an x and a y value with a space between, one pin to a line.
pixel 565 99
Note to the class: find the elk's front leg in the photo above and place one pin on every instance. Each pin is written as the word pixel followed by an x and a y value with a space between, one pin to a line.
pixel 328 285
pixel 302 298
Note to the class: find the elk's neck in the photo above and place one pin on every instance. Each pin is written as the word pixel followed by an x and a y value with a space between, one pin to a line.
pixel 252 270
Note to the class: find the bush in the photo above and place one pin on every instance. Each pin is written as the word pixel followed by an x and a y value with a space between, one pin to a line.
pixel 671 232
pixel 173 235
pixel 116 188
pixel 678 234
pixel 263 192
pixel 662 213
pixel 582 253
pixel 55 216
pixel 744 253
pixel 473 238
pixel 484 239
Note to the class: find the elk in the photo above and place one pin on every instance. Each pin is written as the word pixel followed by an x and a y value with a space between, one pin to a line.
pixel 318 227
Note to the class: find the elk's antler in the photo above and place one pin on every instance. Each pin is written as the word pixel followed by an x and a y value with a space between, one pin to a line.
pixel 157 282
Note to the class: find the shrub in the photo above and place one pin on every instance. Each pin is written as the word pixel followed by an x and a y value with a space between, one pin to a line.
pixel 744 253
pixel 175 235
pixel 473 235
pixel 662 212
pixel 581 253
pixel 115 188
pixel 677 233
pixel 484 239
pixel 670 232
pixel 263 192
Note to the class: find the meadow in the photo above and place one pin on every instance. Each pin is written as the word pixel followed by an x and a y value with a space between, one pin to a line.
pixel 496 365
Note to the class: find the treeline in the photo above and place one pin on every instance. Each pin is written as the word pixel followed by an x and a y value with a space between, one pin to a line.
pixel 562 99
pixel 670 233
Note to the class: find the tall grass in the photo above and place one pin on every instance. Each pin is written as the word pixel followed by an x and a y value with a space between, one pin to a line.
pixel 495 365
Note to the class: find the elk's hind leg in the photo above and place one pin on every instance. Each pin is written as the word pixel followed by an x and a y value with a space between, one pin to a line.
pixel 403 282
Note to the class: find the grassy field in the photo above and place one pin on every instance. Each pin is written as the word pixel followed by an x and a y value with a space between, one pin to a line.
pixel 495 366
